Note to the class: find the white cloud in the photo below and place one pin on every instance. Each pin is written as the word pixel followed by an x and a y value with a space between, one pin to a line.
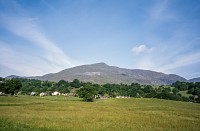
pixel 23 63
pixel 142 49
pixel 51 57
pixel 163 64
pixel 28 29
pixel 181 61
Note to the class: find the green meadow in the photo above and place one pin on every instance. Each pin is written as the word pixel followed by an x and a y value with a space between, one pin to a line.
pixel 70 113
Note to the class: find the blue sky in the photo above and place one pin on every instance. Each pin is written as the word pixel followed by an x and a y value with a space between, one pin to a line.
pixel 45 36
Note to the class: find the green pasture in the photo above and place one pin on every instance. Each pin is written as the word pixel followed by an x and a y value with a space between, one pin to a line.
pixel 72 114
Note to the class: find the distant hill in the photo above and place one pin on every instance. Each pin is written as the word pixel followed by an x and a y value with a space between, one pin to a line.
pixel 102 73
pixel 13 76
pixel 195 79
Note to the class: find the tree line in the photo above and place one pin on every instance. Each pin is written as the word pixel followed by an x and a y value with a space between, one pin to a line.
pixel 88 91
pixel 26 86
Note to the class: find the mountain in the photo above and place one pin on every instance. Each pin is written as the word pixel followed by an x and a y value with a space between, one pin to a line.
pixel 13 76
pixel 102 73
pixel 195 79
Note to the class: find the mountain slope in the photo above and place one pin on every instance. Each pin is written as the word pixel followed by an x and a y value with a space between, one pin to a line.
pixel 14 76
pixel 195 79
pixel 102 73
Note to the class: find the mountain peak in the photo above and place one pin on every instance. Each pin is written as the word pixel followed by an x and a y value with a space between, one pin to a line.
pixel 101 63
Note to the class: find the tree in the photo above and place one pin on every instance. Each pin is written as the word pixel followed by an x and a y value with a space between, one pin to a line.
pixel 1 79
pixel 62 83
pixel 175 91
pixel 64 90
pixel 62 86
pixel 148 89
pixel 184 86
pixel 190 91
pixel 12 85
pixel 2 86
pixel 87 93
pixel 166 90
pixel 75 83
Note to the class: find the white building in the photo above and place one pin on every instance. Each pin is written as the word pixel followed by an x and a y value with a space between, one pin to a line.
pixel 55 93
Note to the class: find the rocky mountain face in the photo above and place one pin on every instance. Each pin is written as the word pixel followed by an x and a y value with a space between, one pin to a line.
pixel 102 73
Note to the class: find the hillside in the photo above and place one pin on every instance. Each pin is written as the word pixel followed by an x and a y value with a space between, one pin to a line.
pixel 195 80
pixel 103 73
pixel 14 76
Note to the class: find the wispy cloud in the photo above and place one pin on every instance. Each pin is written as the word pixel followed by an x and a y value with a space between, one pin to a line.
pixel 142 49
pixel 182 61
pixel 160 11
pixel 28 29
pixel 48 5
pixel 169 64
pixel 23 63
pixel 52 58
pixel 176 45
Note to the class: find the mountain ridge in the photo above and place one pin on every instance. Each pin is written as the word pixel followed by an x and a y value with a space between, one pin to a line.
pixel 197 79
pixel 102 73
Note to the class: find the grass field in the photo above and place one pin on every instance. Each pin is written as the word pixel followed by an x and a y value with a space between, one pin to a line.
pixel 61 113
pixel 184 93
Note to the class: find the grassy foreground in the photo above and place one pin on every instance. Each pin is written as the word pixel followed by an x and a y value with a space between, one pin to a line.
pixel 61 113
